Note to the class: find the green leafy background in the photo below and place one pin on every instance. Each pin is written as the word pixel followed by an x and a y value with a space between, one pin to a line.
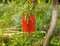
pixel 10 17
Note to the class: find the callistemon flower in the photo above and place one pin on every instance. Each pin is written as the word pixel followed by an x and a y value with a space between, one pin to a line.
pixel 28 23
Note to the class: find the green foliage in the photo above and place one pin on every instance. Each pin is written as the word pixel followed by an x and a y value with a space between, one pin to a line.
pixel 10 16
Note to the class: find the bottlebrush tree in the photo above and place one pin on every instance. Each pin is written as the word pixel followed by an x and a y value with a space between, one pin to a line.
pixel 28 19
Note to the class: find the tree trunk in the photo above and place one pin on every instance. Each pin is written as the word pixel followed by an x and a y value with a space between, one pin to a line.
pixel 53 23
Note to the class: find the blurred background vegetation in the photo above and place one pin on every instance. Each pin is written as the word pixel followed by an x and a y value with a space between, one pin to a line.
pixel 10 17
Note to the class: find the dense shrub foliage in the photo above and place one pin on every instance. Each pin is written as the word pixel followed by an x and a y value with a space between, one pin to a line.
pixel 10 17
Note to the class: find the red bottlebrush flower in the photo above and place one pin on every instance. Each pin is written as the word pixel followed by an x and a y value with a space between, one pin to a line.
pixel 24 23
pixel 28 24
pixel 31 23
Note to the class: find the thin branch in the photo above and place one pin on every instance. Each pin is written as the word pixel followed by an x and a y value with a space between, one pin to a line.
pixel 8 2
pixel 50 33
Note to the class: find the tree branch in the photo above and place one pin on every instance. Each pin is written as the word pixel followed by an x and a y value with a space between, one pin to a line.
pixel 53 23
